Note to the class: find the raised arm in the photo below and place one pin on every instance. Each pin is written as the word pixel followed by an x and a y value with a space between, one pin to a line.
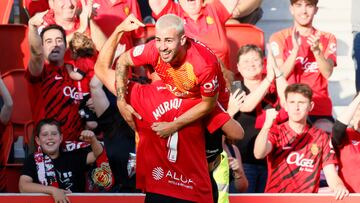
pixel 6 109
pixel 229 4
pixel 326 65
pixel 157 5
pixel 262 145
pixel 105 59
pixel 245 7
pixel 89 137
pixel 36 62
pixel 288 65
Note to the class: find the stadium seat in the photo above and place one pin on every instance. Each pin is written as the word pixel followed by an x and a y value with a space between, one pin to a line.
pixel 5 10
pixel 238 35
pixel 17 86
pixel 14 47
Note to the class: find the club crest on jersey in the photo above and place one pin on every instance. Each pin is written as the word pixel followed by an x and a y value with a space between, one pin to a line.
pixel 209 20
pixel 126 10
pixel 314 149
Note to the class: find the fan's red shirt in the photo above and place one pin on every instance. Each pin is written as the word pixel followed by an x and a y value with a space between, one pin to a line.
pixel 53 95
pixel 209 28
pixel 296 160
pixel 186 178
pixel 199 74
pixel 306 69
pixel 349 158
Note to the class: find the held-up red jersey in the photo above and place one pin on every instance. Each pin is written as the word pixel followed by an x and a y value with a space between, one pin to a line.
pixel 296 160
pixel 306 69
pixel 157 171
pixel 199 75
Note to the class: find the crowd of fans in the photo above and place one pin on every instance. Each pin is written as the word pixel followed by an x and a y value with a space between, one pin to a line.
pixel 189 132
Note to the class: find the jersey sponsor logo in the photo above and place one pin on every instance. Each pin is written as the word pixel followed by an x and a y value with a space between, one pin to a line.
pixel 299 160
pixel 57 77
pixel 173 178
pixel 275 48
pixel 175 91
pixel 138 50
pixel 165 107
pixel 157 173
pixel 308 66
pixel 211 86
pixel 71 92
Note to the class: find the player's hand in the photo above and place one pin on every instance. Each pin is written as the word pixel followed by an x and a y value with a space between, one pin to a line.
pixel 164 129
pixel 38 19
pixel 129 24
pixel 340 192
pixel 314 42
pixel 127 112
pixel 59 195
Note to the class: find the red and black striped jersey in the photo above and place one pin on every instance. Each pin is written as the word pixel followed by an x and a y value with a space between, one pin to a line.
pixel 56 98
pixel 296 160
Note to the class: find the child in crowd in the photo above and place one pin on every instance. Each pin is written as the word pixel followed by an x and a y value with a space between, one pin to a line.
pixel 54 171
pixel 79 62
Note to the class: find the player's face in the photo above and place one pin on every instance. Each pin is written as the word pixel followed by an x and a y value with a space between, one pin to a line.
pixel 250 65
pixel 303 13
pixel 49 140
pixel 191 7
pixel 168 42
pixel 63 9
pixel 298 107
pixel 54 46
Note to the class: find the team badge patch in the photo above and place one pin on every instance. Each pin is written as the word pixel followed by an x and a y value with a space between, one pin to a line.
pixel 138 50
pixel 314 149
pixel 126 10
pixel 275 48
pixel 102 175
pixel 209 20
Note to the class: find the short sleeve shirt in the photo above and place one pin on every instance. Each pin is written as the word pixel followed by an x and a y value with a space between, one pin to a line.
pixel 306 69
pixel 70 168
pixel 295 162
pixel 54 96
pixel 199 74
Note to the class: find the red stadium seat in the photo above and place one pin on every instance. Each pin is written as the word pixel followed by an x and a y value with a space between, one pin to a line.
pixel 5 10
pixel 17 86
pixel 238 35
pixel 14 45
